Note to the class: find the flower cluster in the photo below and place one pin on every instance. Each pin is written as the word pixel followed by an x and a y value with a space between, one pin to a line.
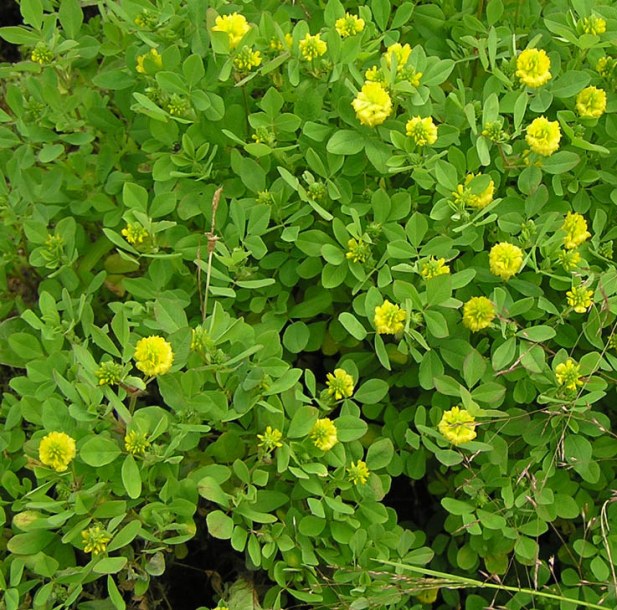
pixel 234 25
pixel 323 434
pixel 340 384
pixel 466 196
pixel 505 260
pixel 575 227
pixel 109 373
pixel 373 104
pixel 57 450
pixel 358 251
pixel 457 426
pixel 136 443
pixel 95 539
pixel 579 298
pixel 312 47
pixel 533 68
pixel 135 234
pixel 270 439
pixel 592 25
pixel 478 313
pixel 153 356
pixel 591 103
pixel 152 56
pixel 41 54
pixel 433 267
pixel 349 25
pixel 246 59
pixel 422 130
pixel 389 318
pixel 568 375
pixel 569 259
pixel 543 136
pixel 358 473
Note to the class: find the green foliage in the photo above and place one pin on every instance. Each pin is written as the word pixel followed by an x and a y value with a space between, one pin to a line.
pixel 304 223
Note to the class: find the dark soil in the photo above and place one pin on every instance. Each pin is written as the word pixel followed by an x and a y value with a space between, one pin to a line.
pixel 9 15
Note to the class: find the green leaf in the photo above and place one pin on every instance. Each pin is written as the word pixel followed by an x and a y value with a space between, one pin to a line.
pixel 71 17
pixel 99 451
pixel 345 142
pixel 570 83
pixel 209 489
pixel 32 12
pixel 561 162
pixel 350 428
pixel 131 477
pixel 372 391
pixel 457 507
pixel 114 594
pixel 352 325
pixel 220 525
pixel 380 454
pixel 302 422
pixel 125 536
pixel 110 565
pixel 296 337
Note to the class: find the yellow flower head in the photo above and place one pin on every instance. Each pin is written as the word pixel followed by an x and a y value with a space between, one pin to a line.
pixel 579 298
pixel 533 67
pixel 57 450
pixel 505 260
pixel 109 373
pixel 605 66
pixel 568 375
pixel 464 194
pixel 389 318
pixel 358 473
pixel 135 234
pixel 153 56
pixel 234 25
pixel 323 434
pixel 433 267
pixel 591 102
pixel 312 47
pixel 358 251
pixel 340 384
pixel 543 136
pixel 375 75
pixel 592 25
pixel 349 25
pixel 270 439
pixel 247 59
pixel 373 104
pixel 41 54
pixel 136 443
pixel 95 539
pixel 423 131
pixel 398 52
pixel 575 227
pixel 457 426
pixel 478 313
pixel 569 259
pixel 153 356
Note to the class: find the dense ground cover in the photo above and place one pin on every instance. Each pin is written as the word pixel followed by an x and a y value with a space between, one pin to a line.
pixel 308 304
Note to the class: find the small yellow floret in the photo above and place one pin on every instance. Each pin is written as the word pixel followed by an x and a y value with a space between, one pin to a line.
pixel 152 55
pixel 433 267
pixel 136 443
pixel 505 260
pixel 568 375
pixel 57 450
pixel 349 25
pixel 591 102
pixel 457 426
pixel 569 259
pixel 270 439
pixel 247 59
pixel 373 104
pixel 575 227
pixel 592 25
pixel 543 136
pixel 135 234
pixel 358 472
pixel 422 130
pixel 398 52
pixel 465 195
pixel 312 47
pixel 389 318
pixel 323 434
pixel 579 298
pixel 478 313
pixel 234 25
pixel 340 384
pixel 153 356
pixel 533 67
pixel 95 539
pixel 358 251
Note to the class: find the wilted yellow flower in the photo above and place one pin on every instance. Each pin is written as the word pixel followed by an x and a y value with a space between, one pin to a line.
pixel 358 473
pixel 568 375
pixel 591 102
pixel 543 136
pixel 323 434
pixel 247 59
pixel 592 25
pixel 340 384
pixel 505 260
pixel 312 47
pixel 349 25
pixel 234 25
pixel 41 54
pixel 569 259
pixel 109 373
pixel 433 267
pixel 135 234
pixel 152 55
pixel 136 443
pixel 373 104
pixel 153 356
pixel 465 195
pixel 95 539
pixel 575 227
pixel 57 450
pixel 457 426
pixel 422 130
pixel 478 313
pixel 579 298
pixel 533 67
pixel 270 439
pixel 389 318
pixel 358 251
